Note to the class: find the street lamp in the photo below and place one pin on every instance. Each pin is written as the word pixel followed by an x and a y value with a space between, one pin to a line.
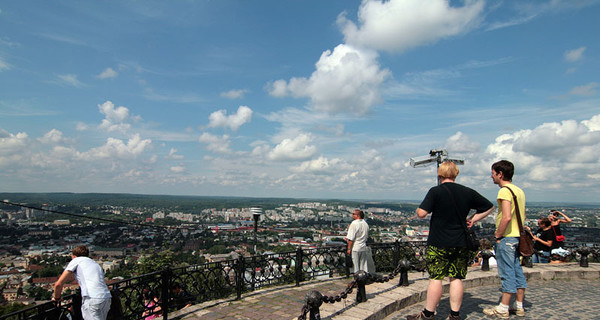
pixel 256 212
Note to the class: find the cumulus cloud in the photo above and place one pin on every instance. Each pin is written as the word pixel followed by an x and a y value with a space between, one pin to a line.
pixel 117 149
pixel 108 73
pixel 52 136
pixel 586 90
pixel 298 148
pixel 115 118
pixel 346 80
pixel 234 94
pixel 10 143
pixel 398 25
pixel 561 151
pixel 575 54
pixel 319 165
pixel 461 143
pixel 234 121
pixel 215 143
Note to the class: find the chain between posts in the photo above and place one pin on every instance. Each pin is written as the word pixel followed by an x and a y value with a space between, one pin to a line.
pixel 314 299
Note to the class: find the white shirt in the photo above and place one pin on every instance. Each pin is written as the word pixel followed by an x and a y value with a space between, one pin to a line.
pixel 358 232
pixel 90 277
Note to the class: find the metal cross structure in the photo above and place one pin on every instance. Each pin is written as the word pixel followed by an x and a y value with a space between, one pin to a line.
pixel 435 155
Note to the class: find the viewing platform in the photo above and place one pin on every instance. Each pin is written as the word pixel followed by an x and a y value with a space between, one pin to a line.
pixel 573 288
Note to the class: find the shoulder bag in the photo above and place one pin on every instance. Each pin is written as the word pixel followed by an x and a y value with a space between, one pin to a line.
pixel 525 242
pixel 472 241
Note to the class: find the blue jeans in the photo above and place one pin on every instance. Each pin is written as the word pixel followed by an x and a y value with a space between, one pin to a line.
pixel 542 257
pixel 509 265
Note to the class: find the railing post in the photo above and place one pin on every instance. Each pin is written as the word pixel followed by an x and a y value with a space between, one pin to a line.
pixel 584 252
pixel 404 267
pixel 485 260
pixel 77 301
pixel 299 266
pixel 253 273
pixel 314 300
pixel 348 262
pixel 361 281
pixel 240 270
pixel 166 276
pixel 396 253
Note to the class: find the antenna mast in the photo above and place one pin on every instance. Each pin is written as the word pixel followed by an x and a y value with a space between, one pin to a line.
pixel 435 155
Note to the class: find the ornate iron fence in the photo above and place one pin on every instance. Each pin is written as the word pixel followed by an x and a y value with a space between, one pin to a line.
pixel 232 278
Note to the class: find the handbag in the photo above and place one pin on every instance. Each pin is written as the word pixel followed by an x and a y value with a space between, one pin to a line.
pixel 472 240
pixel 525 242
pixel 559 238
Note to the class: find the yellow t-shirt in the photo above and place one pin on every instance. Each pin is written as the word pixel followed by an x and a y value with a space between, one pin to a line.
pixel 512 230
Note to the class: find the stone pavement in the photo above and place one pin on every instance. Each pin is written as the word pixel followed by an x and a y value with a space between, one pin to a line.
pixel 557 284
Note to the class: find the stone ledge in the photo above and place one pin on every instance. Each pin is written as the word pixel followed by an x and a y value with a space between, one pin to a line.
pixel 394 299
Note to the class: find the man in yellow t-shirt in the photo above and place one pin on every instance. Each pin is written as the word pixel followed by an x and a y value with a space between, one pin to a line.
pixel 507 241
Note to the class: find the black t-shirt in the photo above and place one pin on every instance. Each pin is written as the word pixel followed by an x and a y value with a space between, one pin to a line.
pixel 445 228
pixel 545 236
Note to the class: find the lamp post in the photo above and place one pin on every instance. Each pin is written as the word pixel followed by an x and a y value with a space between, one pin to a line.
pixel 256 212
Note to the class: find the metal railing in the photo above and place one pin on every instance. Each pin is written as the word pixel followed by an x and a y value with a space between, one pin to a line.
pixel 234 277
pixel 224 279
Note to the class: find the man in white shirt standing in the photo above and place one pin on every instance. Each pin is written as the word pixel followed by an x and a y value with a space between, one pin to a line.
pixel 358 232
pixel 90 276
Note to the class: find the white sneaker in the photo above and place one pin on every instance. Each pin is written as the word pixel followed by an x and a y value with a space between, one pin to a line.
pixel 493 311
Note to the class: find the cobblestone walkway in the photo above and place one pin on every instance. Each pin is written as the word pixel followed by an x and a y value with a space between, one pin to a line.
pixel 548 300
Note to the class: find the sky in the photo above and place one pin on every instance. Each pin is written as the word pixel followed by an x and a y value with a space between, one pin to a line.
pixel 303 99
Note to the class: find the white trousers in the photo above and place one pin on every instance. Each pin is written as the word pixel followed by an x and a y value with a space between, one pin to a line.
pixel 95 309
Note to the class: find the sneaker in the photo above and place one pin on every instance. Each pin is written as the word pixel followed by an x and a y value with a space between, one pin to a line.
pixel 420 316
pixel 518 311
pixel 493 311
pixel 451 317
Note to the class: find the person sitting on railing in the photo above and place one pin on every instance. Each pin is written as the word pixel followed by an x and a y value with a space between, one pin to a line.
pixel 180 298
pixel 96 297
pixel 485 246
pixel 543 239
pixel 558 253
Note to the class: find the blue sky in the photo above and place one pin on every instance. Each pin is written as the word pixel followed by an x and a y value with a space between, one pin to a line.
pixel 318 99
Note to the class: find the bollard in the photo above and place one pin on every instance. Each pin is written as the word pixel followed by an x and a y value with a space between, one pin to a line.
pixel 584 252
pixel 527 262
pixel 314 300
pixel 404 266
pixel 361 278
pixel 485 259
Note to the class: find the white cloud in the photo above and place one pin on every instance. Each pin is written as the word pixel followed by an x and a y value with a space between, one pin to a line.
pixel 461 143
pixel 178 169
pixel 69 79
pixel 575 54
pixel 234 94
pixel 4 65
pixel 215 143
pixel 108 73
pixel 319 165
pixel 115 118
pixel 52 136
pixel 234 121
pixel 117 149
pixel 298 148
pixel 586 90
pixel 399 25
pixel 173 155
pixel 10 143
pixel 345 80
pixel 80 126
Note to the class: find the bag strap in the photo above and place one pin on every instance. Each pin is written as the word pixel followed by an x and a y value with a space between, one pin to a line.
pixel 555 235
pixel 464 223
pixel 518 211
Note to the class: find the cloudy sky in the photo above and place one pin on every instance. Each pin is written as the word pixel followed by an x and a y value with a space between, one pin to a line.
pixel 318 99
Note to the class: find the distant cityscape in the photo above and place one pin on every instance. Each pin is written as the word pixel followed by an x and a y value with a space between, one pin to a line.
pixel 36 236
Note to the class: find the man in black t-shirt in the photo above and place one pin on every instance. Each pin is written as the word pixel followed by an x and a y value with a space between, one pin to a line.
pixel 447 254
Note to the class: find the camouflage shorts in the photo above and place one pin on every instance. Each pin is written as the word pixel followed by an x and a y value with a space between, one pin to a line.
pixel 448 262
